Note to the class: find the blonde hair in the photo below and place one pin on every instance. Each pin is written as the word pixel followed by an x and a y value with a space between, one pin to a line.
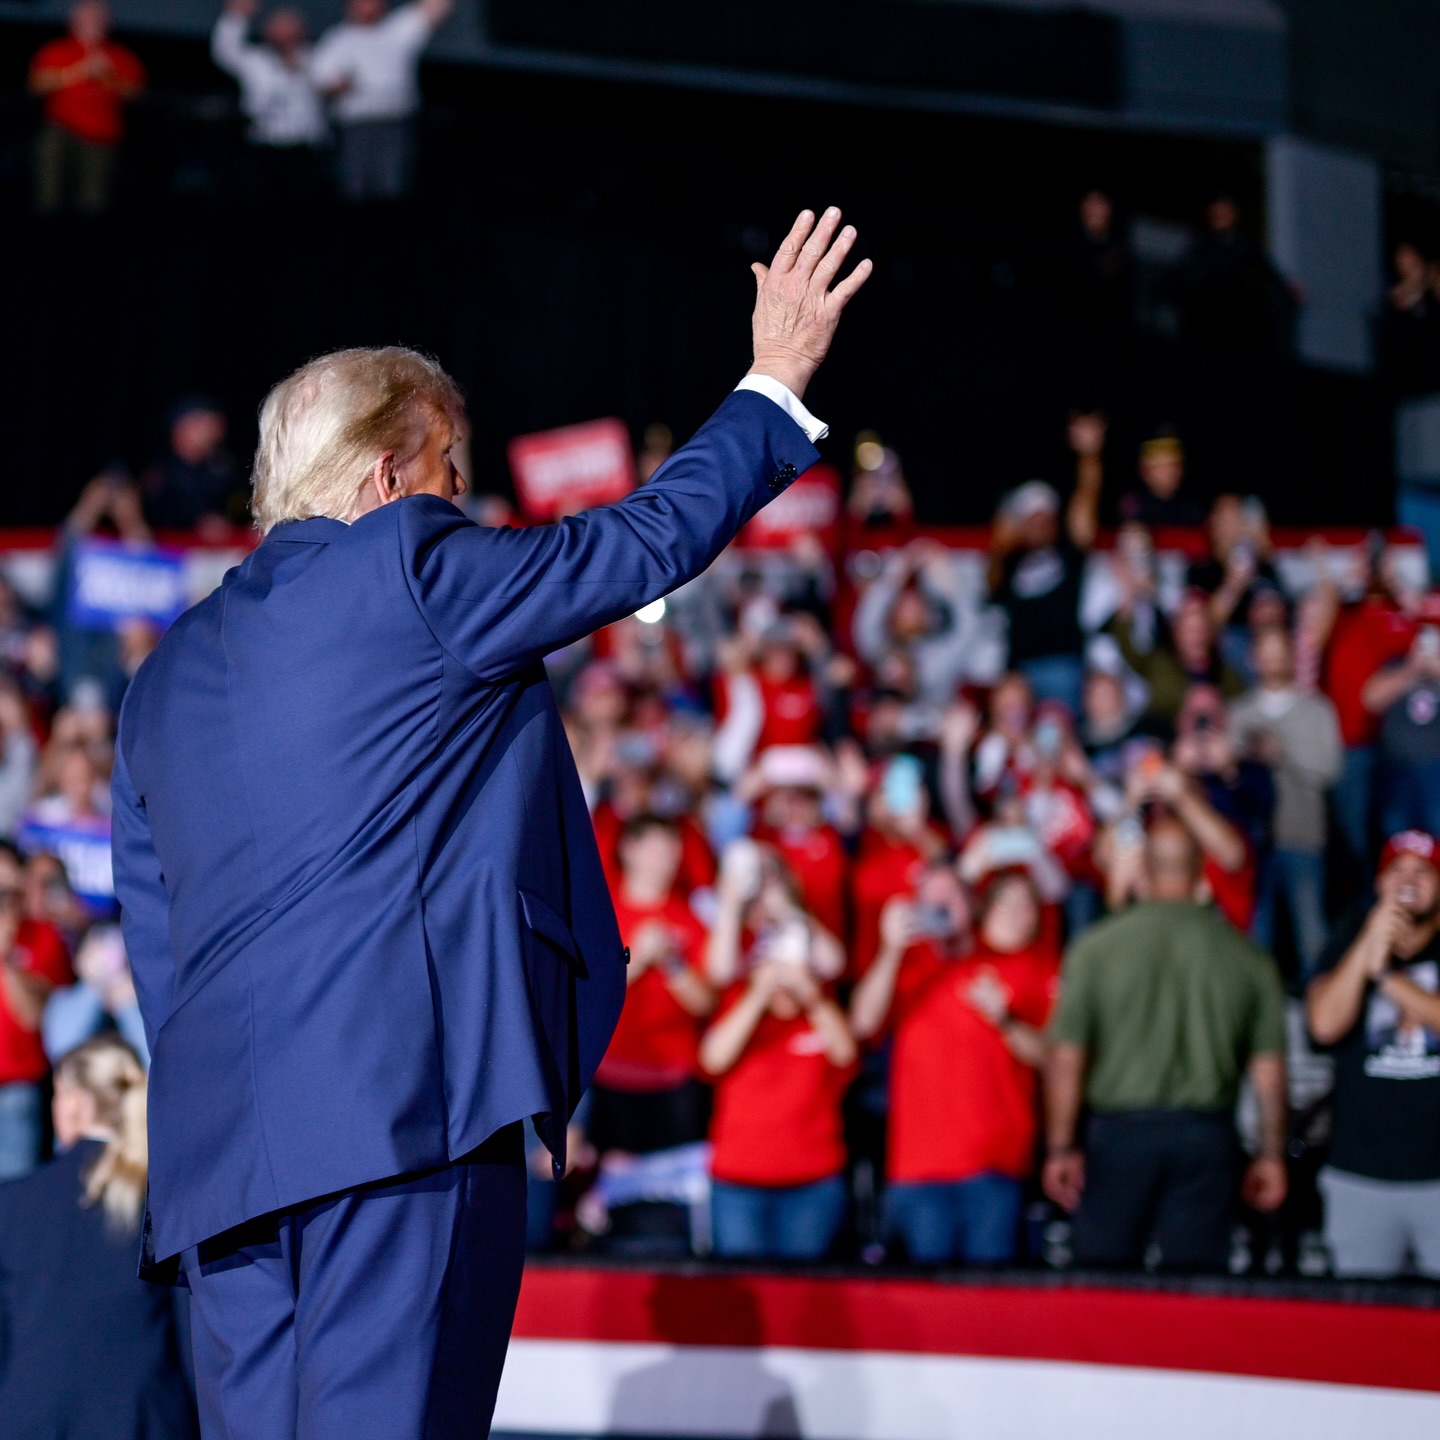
pixel 323 429
pixel 107 1069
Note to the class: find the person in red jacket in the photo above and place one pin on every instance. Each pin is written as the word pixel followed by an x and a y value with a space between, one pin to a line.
pixel 968 1041
pixel 85 79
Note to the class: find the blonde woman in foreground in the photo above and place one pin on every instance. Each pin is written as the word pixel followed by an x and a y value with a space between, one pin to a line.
pixel 87 1348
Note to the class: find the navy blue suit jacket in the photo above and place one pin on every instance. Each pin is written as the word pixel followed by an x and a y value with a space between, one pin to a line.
pixel 360 887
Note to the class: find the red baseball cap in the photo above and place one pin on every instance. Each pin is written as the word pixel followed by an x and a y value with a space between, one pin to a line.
pixel 1411 842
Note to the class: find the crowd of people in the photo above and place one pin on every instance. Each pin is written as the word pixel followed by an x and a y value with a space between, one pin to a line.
pixel 352 97
pixel 963 893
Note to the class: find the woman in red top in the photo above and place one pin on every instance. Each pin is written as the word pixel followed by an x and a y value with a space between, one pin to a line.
pixel 967 1043
pixel 788 785
pixel 895 847
pixel 782 1056
pixel 646 1094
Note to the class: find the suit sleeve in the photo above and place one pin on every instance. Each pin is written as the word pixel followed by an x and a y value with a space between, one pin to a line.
pixel 500 600
pixel 144 903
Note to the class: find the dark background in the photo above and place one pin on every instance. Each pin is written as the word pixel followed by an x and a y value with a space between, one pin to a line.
pixel 580 247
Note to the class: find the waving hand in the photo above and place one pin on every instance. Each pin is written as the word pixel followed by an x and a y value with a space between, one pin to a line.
pixel 796 311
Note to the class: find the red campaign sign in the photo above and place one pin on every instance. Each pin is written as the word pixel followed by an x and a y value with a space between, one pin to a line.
pixel 558 472
pixel 811 506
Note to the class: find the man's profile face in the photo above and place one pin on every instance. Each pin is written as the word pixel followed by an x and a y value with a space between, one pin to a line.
pixel 431 471
pixel 1413 884
pixel 365 12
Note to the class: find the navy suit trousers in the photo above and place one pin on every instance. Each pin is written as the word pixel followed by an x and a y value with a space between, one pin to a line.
pixel 382 1313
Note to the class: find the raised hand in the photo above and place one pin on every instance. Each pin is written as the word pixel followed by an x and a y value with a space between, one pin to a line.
pixel 796 311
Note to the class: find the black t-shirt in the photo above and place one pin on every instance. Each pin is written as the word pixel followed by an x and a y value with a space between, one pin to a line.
pixel 1141 505
pixel 1209 576
pixel 1410 731
pixel 1387 1079
pixel 1040 592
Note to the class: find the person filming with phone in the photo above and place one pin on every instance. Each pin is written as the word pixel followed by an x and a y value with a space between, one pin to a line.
pixel 781 1056
pixel 968 1023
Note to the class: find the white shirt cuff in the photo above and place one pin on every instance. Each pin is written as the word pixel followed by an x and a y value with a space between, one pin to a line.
pixel 789 402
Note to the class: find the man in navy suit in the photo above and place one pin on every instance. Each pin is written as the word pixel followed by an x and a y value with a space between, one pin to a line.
pixel 361 894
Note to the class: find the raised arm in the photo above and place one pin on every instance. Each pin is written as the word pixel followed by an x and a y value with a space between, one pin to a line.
pixel 1334 1000
pixel 230 45
pixel 144 902
pixel 502 599
pixel 725 1041
pixel 871 999
pixel 1082 515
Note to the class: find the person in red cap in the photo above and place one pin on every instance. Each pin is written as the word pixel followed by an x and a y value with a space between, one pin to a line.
pixel 1376 1003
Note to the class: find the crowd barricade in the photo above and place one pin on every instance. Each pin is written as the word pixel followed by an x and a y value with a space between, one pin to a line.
pixel 691 1353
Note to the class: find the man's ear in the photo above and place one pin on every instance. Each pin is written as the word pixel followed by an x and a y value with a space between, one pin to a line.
pixel 384 482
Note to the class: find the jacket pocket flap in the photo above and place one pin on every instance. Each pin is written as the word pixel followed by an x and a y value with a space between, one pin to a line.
pixel 545 921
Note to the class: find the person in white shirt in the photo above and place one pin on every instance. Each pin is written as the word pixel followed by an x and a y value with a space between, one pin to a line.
pixel 368 67
pixel 281 101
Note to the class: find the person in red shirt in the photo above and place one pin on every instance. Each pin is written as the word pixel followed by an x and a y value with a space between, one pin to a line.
pixel 1367 636
pixel 789 783
pixel 968 1039
pixel 33 962
pixel 767 693
pixel 646 1094
pixel 894 849
pixel 85 79
pixel 782 1056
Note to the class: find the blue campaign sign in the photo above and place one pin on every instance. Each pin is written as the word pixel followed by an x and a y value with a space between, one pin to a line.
pixel 112 581
pixel 83 847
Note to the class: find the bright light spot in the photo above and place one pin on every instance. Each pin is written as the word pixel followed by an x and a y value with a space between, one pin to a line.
pixel 869 455
pixel 651 614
